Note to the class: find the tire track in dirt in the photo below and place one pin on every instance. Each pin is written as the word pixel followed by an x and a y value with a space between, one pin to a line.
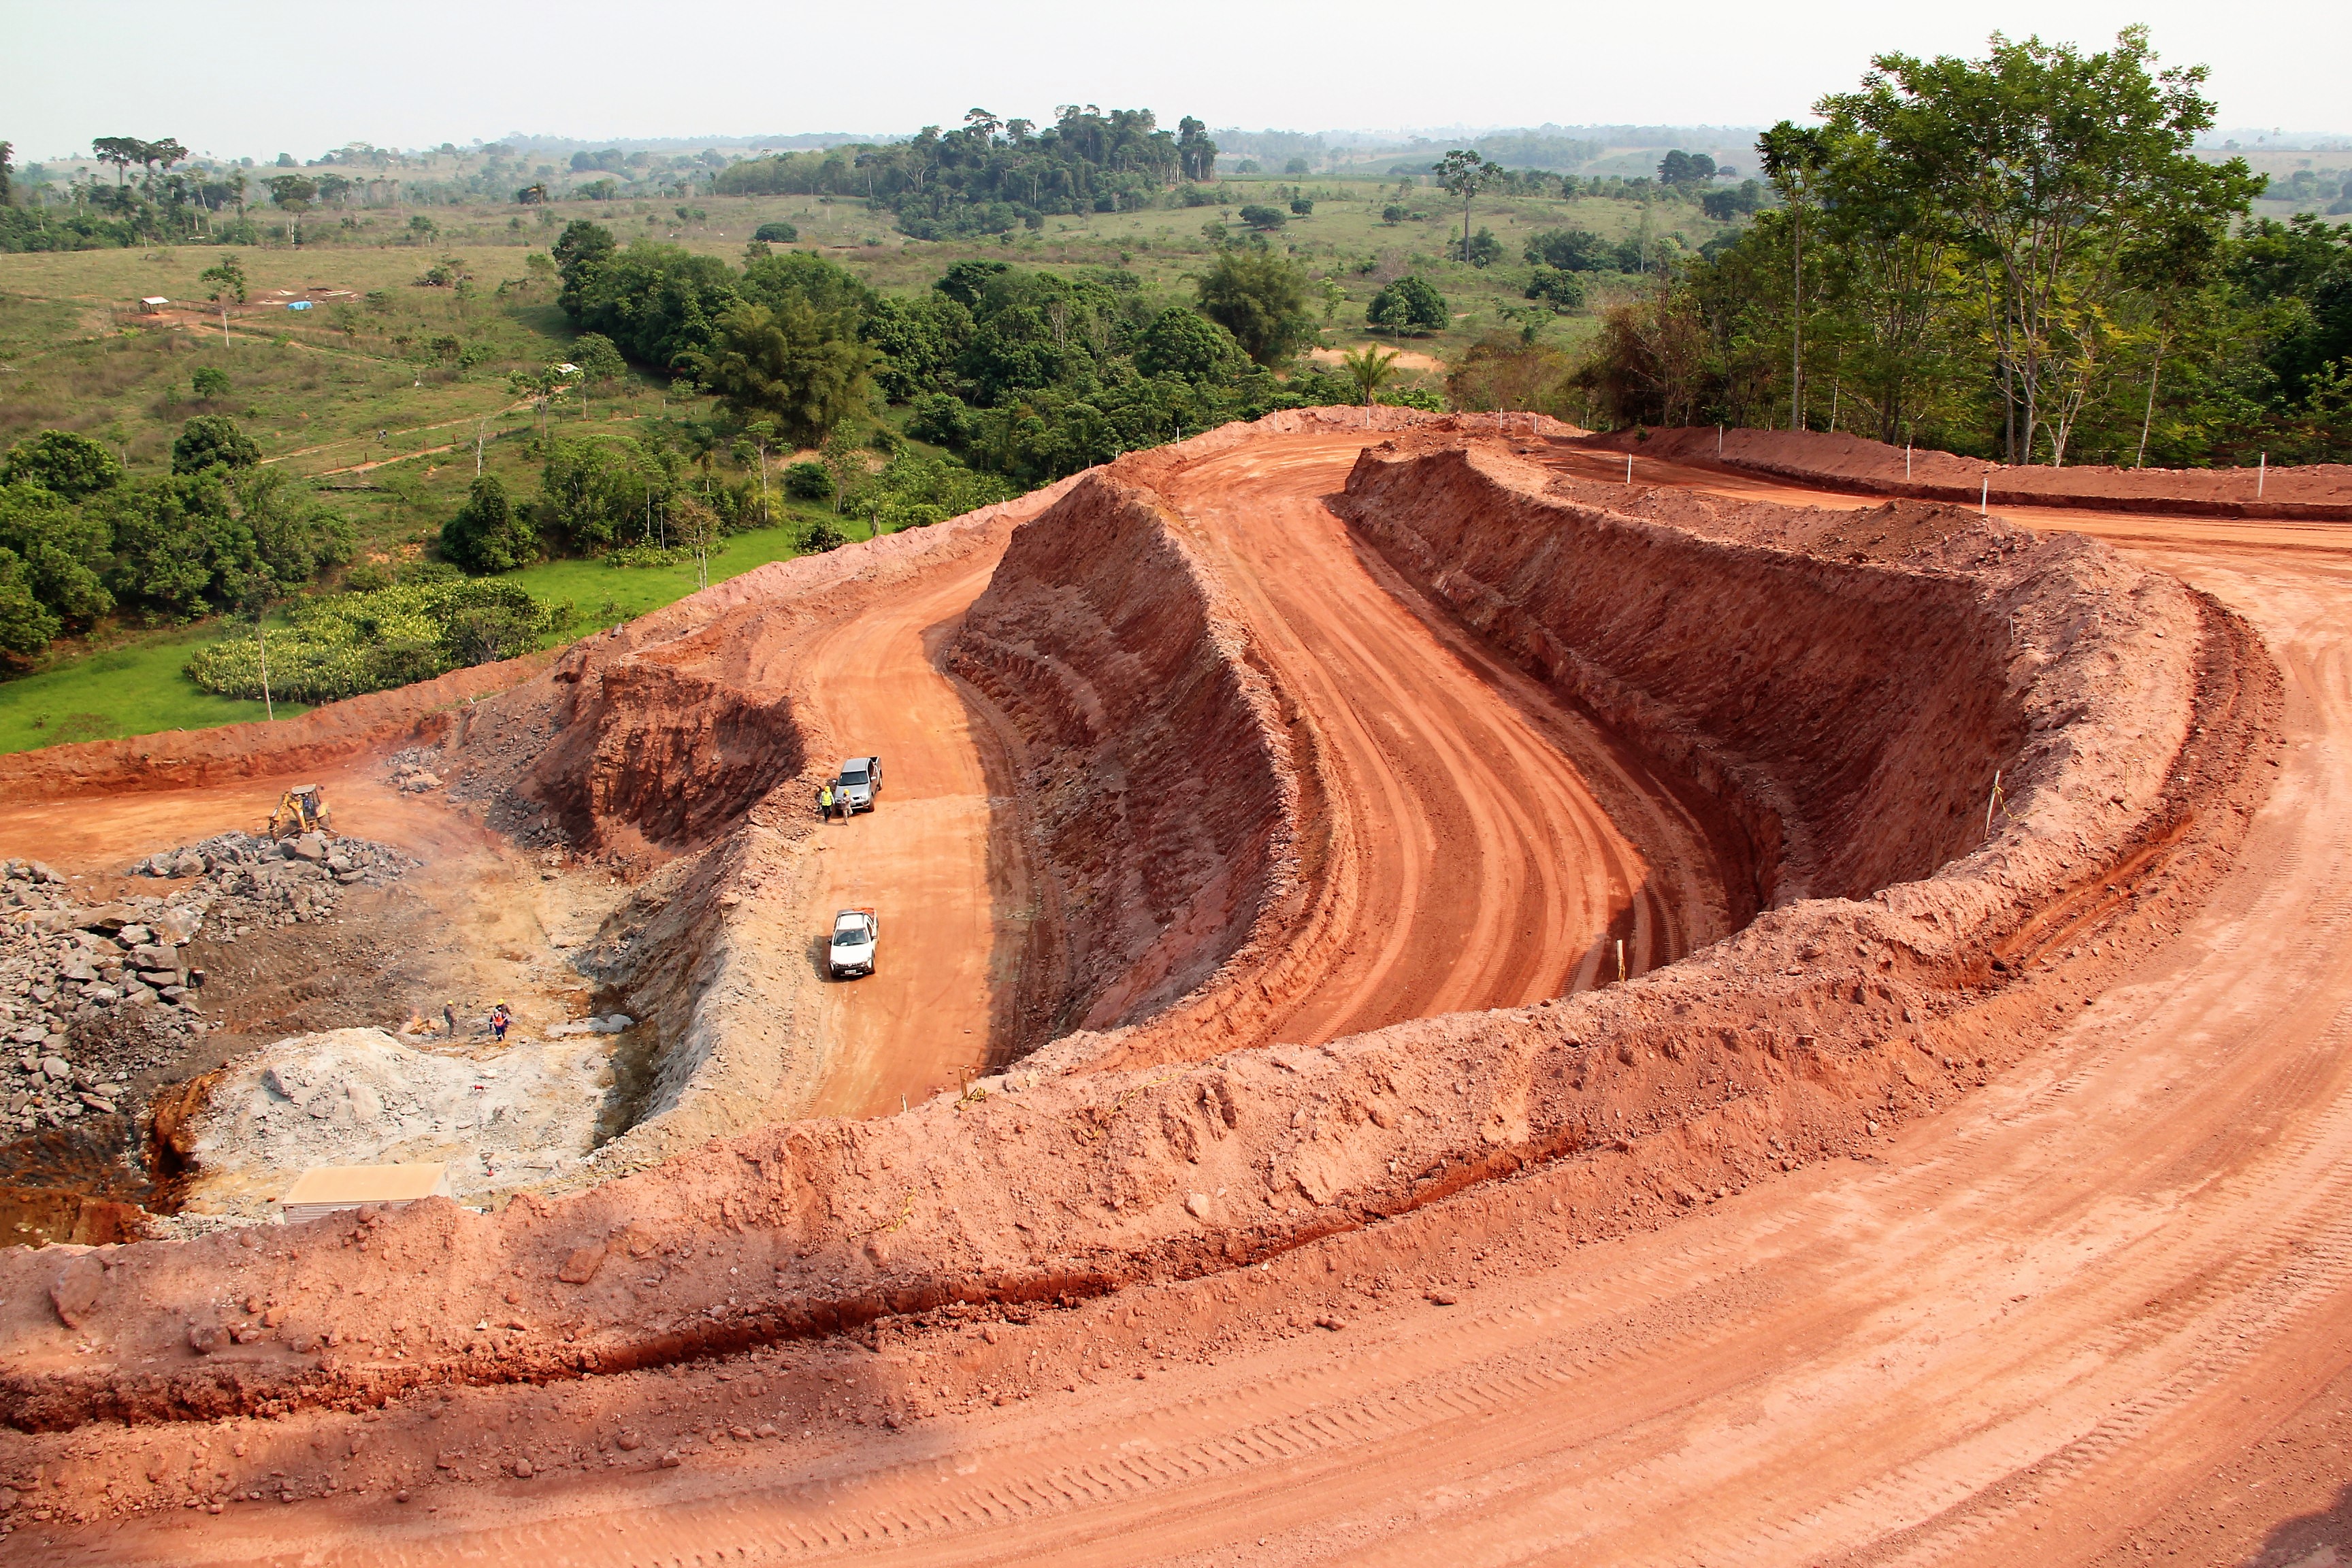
pixel 1966 1355
pixel 1485 870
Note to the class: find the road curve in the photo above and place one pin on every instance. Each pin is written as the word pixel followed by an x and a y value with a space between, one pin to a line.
pixel 1480 868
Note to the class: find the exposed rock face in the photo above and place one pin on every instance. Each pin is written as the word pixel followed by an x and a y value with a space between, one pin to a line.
pixel 1162 781
pixel 1848 714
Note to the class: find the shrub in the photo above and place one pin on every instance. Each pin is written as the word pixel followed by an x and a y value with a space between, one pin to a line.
pixel 347 644
pixel 62 463
pixel 1562 290
pixel 822 535
pixel 1410 304
pixel 807 480
pixel 488 535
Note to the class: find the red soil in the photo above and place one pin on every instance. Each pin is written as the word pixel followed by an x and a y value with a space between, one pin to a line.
pixel 1807 730
pixel 2321 492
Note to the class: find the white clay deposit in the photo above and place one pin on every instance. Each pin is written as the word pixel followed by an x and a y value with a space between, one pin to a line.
pixel 497 1117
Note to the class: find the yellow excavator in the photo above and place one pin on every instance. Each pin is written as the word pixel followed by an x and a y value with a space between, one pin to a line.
pixel 302 809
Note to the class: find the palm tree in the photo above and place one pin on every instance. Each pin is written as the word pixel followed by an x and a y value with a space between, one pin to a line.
pixel 1370 367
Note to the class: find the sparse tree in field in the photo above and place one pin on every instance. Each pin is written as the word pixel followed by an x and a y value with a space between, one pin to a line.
pixel 1370 367
pixel 1465 173
pixel 293 194
pixel 762 433
pixel 1412 303
pixel 697 527
pixel 600 363
pixel 210 383
pixel 227 281
pixel 841 458
pixel 119 150
pixel 1794 156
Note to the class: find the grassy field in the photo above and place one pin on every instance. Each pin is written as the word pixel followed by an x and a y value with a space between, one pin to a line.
pixel 360 393
pixel 133 687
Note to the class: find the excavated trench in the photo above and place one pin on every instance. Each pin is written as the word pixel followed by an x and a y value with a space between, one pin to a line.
pixel 1838 718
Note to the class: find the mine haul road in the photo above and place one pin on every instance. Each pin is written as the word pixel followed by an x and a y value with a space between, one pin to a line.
pixel 2098 1310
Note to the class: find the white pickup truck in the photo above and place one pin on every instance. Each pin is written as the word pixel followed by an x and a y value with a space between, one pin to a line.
pixel 860 781
pixel 852 952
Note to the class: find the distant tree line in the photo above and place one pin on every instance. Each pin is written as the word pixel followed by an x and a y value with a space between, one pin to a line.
pixel 990 175
pixel 1022 373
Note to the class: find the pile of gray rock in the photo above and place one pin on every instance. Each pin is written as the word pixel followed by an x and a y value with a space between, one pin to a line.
pixel 56 961
pixel 91 995
pixel 248 882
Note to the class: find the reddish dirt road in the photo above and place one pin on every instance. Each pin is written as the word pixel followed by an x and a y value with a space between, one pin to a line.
pixel 920 859
pixel 2068 1320
pixel 1481 871
pixel 1476 868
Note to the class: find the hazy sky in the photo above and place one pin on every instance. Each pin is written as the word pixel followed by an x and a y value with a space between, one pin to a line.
pixel 260 77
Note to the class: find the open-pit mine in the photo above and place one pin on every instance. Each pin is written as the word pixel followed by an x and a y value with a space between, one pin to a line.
pixel 1447 990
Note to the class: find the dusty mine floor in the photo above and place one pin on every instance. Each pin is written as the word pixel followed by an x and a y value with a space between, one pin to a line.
pixel 2085 1297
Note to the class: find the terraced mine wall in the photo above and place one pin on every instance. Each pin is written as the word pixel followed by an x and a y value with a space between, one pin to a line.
pixel 2130 715
pixel 1159 791
pixel 1848 717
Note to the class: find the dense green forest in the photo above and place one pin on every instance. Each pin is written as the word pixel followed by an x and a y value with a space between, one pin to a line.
pixel 79 540
pixel 2015 257
pixel 1024 374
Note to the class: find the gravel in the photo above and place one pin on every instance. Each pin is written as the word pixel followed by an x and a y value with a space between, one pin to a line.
pixel 91 996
